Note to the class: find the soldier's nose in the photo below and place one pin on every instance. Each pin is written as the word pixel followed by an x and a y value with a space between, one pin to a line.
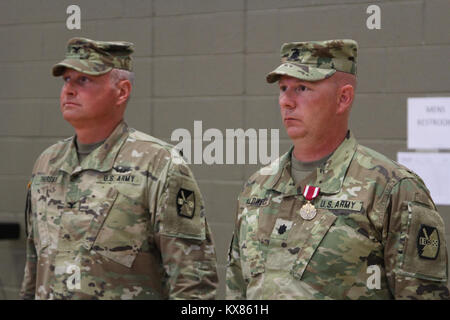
pixel 286 101
pixel 68 89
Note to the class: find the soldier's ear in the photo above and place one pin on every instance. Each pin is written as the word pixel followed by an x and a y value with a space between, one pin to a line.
pixel 124 89
pixel 345 97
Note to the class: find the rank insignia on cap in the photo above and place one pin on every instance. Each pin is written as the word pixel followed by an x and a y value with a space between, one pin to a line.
pixel 186 203
pixel 428 242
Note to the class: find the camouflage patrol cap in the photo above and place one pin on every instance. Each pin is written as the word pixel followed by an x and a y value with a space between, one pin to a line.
pixel 95 57
pixel 316 60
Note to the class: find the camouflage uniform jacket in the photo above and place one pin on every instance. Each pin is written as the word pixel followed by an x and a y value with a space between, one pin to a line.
pixel 376 234
pixel 126 223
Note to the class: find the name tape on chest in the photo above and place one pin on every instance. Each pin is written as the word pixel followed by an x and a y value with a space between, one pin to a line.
pixel 258 202
pixel 333 204
pixel 44 179
pixel 119 178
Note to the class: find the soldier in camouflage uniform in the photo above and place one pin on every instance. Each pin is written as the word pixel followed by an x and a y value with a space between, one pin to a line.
pixel 370 229
pixel 124 220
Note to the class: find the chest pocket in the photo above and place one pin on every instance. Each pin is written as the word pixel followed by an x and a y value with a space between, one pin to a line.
pixel 252 255
pixel 81 220
pixel 259 215
pixel 309 235
pixel 46 207
pixel 41 235
pixel 123 232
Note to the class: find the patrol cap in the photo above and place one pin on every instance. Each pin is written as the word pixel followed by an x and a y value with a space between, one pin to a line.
pixel 95 57
pixel 316 60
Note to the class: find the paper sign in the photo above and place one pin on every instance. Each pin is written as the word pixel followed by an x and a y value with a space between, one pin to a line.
pixel 434 169
pixel 429 123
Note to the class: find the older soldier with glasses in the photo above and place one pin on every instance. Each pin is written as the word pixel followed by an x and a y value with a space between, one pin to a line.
pixel 112 213
pixel 335 219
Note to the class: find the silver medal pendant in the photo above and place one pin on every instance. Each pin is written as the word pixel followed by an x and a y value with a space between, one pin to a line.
pixel 308 211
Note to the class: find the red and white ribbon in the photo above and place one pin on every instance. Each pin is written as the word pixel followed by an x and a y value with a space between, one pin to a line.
pixel 310 192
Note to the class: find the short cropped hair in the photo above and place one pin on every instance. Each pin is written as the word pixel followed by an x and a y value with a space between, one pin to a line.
pixel 117 75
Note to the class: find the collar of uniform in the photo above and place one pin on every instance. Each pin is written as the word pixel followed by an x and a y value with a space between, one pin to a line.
pixel 281 180
pixel 328 177
pixel 331 177
pixel 101 159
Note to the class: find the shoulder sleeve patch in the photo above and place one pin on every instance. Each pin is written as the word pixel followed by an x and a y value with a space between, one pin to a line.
pixel 428 242
pixel 424 253
pixel 186 203
pixel 182 210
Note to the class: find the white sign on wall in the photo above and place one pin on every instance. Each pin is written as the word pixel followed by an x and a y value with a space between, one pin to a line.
pixel 434 169
pixel 429 123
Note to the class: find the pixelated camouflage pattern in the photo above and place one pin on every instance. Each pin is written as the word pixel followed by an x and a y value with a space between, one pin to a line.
pixel 95 57
pixel 316 60
pixel 114 217
pixel 369 213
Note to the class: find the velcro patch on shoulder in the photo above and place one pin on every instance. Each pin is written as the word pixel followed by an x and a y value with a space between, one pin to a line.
pixel 424 249
pixel 186 203
pixel 428 242
pixel 184 214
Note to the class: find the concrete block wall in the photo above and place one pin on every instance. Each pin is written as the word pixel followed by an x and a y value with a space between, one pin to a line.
pixel 206 60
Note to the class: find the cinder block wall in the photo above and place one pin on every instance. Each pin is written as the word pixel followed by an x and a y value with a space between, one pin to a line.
pixel 206 60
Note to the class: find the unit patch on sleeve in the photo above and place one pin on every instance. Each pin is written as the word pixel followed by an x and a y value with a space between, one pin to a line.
pixel 428 242
pixel 186 203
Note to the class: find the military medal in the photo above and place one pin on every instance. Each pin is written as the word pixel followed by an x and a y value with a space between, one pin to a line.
pixel 308 211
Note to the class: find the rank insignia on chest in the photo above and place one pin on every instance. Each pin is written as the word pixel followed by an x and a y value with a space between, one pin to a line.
pixel 308 211
pixel 428 242
pixel 186 203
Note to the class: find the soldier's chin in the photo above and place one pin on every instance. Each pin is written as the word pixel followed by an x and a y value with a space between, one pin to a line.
pixel 71 115
pixel 295 133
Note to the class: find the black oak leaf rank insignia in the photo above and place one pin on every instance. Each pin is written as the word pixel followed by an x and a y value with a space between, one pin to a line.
pixel 186 203
pixel 428 242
